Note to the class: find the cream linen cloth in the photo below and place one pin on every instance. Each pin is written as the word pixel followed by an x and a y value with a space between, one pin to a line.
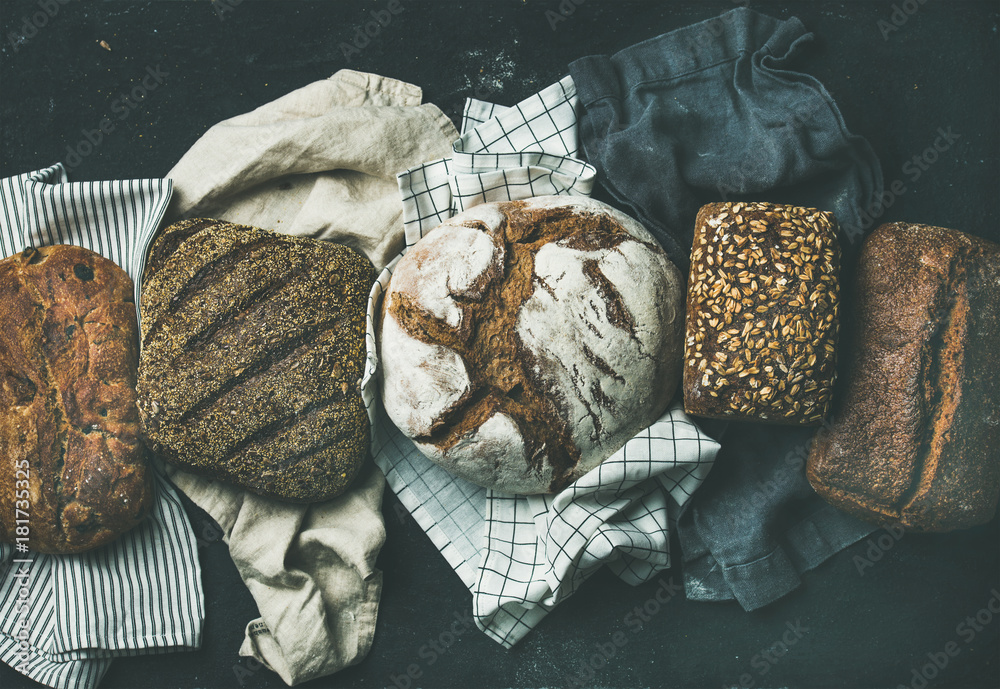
pixel 319 162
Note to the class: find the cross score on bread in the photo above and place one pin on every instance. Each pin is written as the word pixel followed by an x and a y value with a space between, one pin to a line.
pixel 522 343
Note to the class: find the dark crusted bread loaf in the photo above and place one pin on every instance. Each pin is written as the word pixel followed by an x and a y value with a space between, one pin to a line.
pixel 253 353
pixel 916 437
pixel 523 343
pixel 762 317
pixel 72 459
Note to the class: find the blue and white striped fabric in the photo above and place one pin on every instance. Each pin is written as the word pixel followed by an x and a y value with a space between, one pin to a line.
pixel 522 555
pixel 141 593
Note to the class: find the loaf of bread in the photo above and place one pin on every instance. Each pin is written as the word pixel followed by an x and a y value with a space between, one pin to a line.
pixel 523 343
pixel 74 469
pixel 916 437
pixel 762 313
pixel 253 353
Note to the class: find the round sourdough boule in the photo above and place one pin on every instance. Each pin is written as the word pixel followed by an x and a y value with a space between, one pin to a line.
pixel 523 343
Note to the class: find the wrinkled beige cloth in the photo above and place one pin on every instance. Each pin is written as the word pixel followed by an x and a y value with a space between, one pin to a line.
pixel 320 162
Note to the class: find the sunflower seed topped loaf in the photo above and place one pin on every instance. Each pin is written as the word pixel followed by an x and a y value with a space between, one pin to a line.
pixel 73 462
pixel 253 353
pixel 762 313
pixel 916 436
pixel 523 343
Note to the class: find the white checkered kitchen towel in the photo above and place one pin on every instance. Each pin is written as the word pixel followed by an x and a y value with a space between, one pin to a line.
pixel 63 618
pixel 522 555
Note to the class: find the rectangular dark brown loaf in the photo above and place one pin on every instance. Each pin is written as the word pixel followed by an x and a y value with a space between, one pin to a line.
pixel 762 313
pixel 253 353
pixel 916 437
pixel 71 456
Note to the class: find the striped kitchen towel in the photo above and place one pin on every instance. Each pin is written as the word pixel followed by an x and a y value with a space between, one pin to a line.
pixel 63 618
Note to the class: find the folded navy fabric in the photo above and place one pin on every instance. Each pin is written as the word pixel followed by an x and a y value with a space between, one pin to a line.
pixel 714 112
pixel 756 525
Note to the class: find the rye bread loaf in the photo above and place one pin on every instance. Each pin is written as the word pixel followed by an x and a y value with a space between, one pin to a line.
pixel 73 462
pixel 523 343
pixel 762 313
pixel 253 353
pixel 916 437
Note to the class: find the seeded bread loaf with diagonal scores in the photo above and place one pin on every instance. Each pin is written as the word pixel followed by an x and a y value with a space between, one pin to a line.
pixel 762 313
pixel 253 353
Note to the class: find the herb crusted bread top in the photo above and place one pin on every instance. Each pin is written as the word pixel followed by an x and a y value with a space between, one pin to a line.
pixel 253 352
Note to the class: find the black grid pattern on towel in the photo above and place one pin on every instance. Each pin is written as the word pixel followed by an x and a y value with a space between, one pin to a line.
pixel 522 555
pixel 141 593
pixel 618 514
pixel 528 150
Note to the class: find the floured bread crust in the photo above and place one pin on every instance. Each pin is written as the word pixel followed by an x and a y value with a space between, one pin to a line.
pixel 523 343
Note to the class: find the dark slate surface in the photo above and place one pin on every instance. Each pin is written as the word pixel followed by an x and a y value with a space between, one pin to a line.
pixel 877 615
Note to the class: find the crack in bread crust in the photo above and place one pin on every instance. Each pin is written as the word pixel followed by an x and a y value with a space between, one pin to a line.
pixel 938 382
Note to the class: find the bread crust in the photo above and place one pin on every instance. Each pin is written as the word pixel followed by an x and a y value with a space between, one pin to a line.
pixel 523 343
pixel 68 356
pixel 253 354
pixel 916 437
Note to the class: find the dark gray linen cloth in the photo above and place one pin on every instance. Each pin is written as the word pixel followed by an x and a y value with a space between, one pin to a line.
pixel 713 112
